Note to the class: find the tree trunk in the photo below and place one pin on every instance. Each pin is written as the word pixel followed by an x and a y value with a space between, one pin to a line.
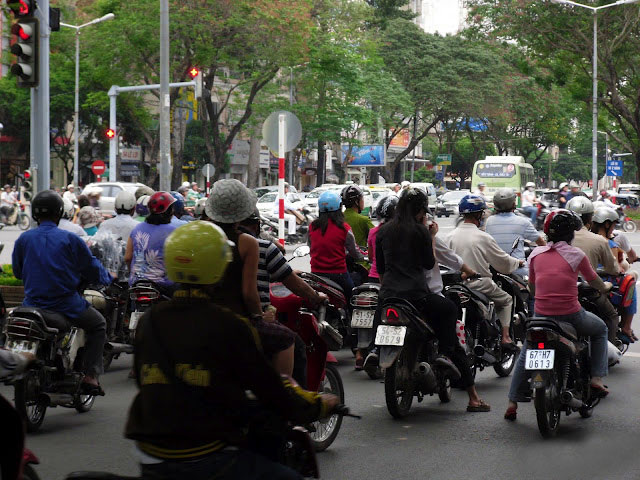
pixel 322 161
pixel 254 161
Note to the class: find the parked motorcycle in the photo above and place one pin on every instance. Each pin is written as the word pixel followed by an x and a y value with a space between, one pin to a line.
pixel 269 224
pixel 409 355
pixel 58 380
pixel 364 302
pixel 557 359
pixel 320 338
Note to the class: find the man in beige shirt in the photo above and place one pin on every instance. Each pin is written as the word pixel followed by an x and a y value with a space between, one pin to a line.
pixel 479 251
pixel 600 256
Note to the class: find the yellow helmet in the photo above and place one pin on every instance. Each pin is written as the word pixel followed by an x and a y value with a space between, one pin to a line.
pixel 197 252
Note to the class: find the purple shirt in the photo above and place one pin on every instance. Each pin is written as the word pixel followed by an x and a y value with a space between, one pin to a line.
pixel 148 253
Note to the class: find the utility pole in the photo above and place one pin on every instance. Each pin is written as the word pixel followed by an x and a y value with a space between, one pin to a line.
pixel 40 137
pixel 165 100
pixel 322 161
pixel 413 155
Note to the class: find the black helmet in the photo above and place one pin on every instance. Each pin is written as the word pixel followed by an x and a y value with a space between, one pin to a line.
pixel 386 207
pixel 47 204
pixel 254 217
pixel 351 195
pixel 416 198
pixel 561 223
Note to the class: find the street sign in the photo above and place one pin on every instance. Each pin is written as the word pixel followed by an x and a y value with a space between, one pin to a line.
pixel 439 176
pixel 443 159
pixel 98 167
pixel 614 168
pixel 293 131
pixel 208 170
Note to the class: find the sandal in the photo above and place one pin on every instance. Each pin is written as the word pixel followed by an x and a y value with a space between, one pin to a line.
pixel 633 335
pixel 92 389
pixel 481 407
pixel 625 337
pixel 511 414
pixel 598 391
pixel 359 364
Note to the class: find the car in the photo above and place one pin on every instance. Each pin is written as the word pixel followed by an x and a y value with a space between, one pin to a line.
pixel 625 200
pixel 109 191
pixel 377 195
pixel 429 188
pixel 311 200
pixel 447 204
pixel 629 188
pixel 260 191
pixel 266 203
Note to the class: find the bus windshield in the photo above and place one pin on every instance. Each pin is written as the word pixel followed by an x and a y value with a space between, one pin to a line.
pixel 496 170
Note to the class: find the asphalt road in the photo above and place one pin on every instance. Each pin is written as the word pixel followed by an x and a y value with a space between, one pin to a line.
pixel 436 441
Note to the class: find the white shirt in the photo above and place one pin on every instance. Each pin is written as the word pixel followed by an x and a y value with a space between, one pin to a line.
pixel 71 196
pixel 120 225
pixel 444 256
pixel 528 198
pixel 478 192
pixel 72 227
pixel 287 205
pixel 7 198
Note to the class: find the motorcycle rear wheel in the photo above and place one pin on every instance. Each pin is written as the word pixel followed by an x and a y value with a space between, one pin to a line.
pixel 547 403
pixel 326 430
pixel 398 399
pixel 504 369
pixel 24 222
pixel 83 403
pixel 444 390
pixel 629 226
pixel 28 402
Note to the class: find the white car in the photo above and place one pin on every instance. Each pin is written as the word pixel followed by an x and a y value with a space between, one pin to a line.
pixel 311 200
pixel 109 192
pixel 266 203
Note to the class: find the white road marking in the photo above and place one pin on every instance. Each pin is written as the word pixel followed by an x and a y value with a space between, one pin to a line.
pixel 632 354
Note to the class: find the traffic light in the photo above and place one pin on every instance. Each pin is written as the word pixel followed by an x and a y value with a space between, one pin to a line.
pixel 25 48
pixel 110 133
pixel 28 186
pixel 196 74
pixel 22 8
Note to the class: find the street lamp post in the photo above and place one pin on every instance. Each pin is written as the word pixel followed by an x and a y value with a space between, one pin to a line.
pixel 595 10
pixel 76 109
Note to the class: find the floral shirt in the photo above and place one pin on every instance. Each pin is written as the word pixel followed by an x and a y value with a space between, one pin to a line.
pixel 148 253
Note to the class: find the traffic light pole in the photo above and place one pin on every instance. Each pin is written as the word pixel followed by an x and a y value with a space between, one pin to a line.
pixel 40 136
pixel 113 124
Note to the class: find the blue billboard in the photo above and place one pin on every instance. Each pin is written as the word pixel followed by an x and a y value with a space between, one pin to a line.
pixel 364 156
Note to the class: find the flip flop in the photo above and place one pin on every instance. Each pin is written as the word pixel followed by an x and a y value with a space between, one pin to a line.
pixel 625 338
pixel 359 364
pixel 93 390
pixel 511 414
pixel 482 407
pixel 599 392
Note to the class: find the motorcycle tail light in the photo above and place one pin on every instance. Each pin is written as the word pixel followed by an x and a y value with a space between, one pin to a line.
pixel 537 336
pixel 541 345
pixel 393 316
pixel 144 299
pixel 22 207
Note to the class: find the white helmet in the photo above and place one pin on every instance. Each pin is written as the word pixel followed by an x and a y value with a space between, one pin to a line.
pixel 562 185
pixel 186 184
pixel 200 206
pixel 580 205
pixel 604 214
pixel 504 199
pixel 71 185
pixel 405 184
pixel 69 209
pixel 530 184
pixel 125 201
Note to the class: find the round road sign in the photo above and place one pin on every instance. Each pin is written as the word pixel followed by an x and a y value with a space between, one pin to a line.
pixel 98 167
pixel 270 131
pixel 208 170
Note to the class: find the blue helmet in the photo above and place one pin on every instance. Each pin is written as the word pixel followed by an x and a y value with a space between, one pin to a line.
pixel 178 206
pixel 329 201
pixel 472 204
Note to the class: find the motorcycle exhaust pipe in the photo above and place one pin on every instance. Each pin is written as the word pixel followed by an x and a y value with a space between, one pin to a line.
pixel 568 399
pixel 113 347
pixel 480 352
pixel 425 378
pixel 56 399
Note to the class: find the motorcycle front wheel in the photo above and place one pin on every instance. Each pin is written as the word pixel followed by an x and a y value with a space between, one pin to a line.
pixel 547 403
pixel 504 368
pixel 28 401
pixel 398 386
pixel 326 430
pixel 24 222
pixel 83 403
pixel 629 226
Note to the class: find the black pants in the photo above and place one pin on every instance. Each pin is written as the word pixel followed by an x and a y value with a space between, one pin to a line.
pixel 442 313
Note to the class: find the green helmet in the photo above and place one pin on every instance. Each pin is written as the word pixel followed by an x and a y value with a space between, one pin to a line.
pixel 197 252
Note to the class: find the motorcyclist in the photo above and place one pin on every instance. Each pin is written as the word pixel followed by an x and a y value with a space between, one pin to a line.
pixel 70 194
pixel 145 246
pixel 178 210
pixel 8 202
pixel 480 190
pixel 479 251
pixel 384 212
pixel 353 202
pixel 404 250
pixel 506 227
pixel 605 198
pixel 553 275
pixel 600 256
pixel 123 223
pixel 529 201
pixel 53 265
pixel 562 194
pixel 191 415
pixel 604 221
pixel 290 211
pixel 66 223
pixel 89 219
pixel 329 237
pixel 574 192
pixel 142 209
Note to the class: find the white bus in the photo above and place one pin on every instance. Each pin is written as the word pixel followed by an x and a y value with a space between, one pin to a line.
pixel 500 172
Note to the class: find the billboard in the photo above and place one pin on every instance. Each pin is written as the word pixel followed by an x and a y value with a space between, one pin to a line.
pixel 401 140
pixel 364 156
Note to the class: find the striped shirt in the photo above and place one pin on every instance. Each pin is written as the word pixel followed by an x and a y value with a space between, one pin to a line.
pixel 272 267
pixel 506 227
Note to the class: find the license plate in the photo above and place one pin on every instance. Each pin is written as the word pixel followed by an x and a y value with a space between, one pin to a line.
pixel 388 335
pixel 22 346
pixel 362 318
pixel 133 321
pixel 540 359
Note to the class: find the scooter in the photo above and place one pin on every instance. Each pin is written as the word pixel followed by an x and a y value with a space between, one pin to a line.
pixel 364 302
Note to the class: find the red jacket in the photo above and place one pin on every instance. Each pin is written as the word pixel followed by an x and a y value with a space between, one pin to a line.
pixel 328 253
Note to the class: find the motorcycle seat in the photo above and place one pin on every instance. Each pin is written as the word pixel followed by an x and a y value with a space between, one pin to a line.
pixel 51 319
pixel 565 328
pixel 331 283
pixel 366 287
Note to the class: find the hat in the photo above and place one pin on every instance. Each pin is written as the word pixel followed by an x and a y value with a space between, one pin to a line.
pixel 230 201
pixel 88 217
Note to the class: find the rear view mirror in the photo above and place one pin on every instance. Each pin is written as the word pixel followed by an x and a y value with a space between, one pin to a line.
pixel 515 244
pixel 302 251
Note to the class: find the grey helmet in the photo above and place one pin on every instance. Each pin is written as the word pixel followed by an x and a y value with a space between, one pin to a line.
pixel 580 205
pixel 230 201
pixel 504 199
pixel 605 214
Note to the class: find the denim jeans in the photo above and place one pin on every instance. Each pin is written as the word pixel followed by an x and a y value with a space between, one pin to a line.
pixel 224 465
pixel 586 323
pixel 533 213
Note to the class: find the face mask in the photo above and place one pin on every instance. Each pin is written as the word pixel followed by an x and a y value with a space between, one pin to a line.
pixel 91 231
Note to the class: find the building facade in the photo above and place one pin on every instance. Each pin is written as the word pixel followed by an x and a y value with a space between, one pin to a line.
pixel 445 17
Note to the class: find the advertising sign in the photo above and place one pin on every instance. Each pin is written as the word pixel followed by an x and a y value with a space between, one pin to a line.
pixel 401 140
pixel 364 156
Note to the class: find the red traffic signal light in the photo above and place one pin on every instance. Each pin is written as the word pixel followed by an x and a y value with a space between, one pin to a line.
pixel 110 133
pixel 25 48
pixel 194 72
pixel 27 174
pixel 22 8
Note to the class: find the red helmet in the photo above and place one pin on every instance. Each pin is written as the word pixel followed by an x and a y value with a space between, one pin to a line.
pixel 561 222
pixel 160 202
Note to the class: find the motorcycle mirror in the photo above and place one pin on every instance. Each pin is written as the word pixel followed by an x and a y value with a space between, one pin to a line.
pixel 514 245
pixel 302 251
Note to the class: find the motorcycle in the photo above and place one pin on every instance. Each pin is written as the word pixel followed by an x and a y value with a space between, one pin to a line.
pixel 364 302
pixel 143 295
pixel 19 217
pixel 409 354
pixel 320 338
pixel 483 332
pixel 625 223
pixel 270 225
pixel 58 379
pixel 557 359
